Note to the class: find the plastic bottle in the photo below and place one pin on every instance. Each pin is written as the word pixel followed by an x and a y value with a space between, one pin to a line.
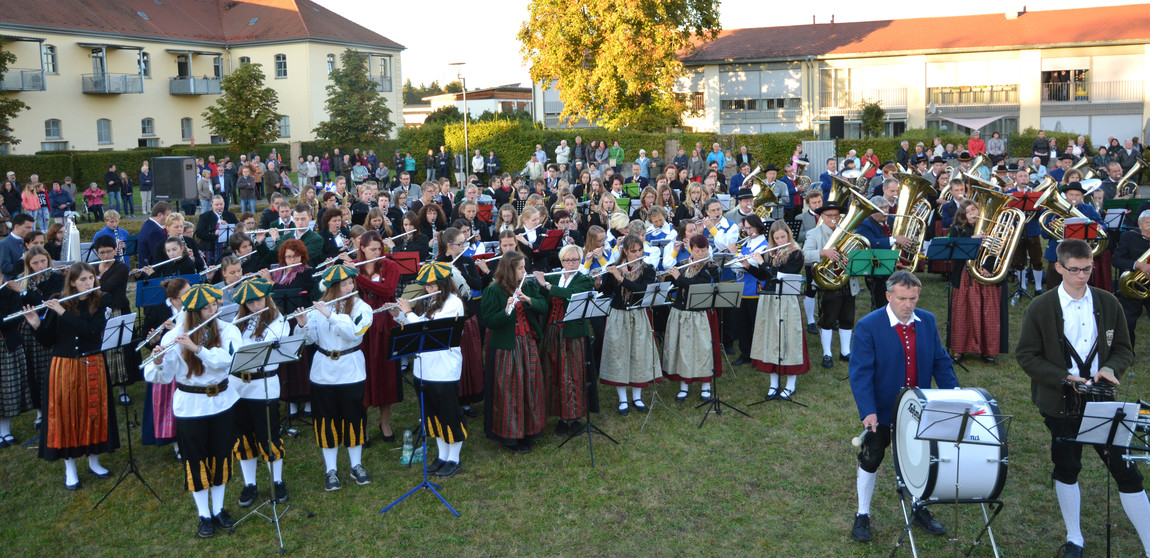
pixel 405 457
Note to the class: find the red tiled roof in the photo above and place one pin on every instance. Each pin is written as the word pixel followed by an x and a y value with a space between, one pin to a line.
pixel 214 21
pixel 1111 24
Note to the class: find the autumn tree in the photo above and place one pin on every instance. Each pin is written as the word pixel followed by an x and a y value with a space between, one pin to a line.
pixel 359 115
pixel 245 114
pixel 615 63
pixel 9 105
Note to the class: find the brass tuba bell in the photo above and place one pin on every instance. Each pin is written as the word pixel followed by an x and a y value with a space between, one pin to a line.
pixel 1053 221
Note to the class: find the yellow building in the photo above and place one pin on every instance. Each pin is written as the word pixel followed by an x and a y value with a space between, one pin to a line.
pixel 131 73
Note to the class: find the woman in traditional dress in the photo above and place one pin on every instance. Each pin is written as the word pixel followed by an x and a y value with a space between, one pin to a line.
pixel 15 393
pixel 565 344
pixel 338 373
pixel 46 284
pixel 437 373
pixel 977 310
pixel 198 364
pixel 630 357
pixel 159 426
pixel 689 346
pixel 779 345
pixel 377 282
pixel 298 289
pixel 79 421
pixel 515 409
pixel 123 363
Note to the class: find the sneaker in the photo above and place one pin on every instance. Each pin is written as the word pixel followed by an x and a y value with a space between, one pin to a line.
pixel 223 520
pixel 812 329
pixel 359 475
pixel 331 483
pixel 435 465
pixel 861 530
pixel 248 496
pixel 280 490
pixel 207 529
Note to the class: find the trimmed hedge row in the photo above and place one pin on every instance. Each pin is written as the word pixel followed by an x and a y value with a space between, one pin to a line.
pixel 1018 145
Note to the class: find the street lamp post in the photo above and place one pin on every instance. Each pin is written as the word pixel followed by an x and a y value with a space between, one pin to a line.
pixel 466 117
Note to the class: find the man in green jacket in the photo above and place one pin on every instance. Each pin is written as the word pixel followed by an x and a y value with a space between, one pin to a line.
pixel 1076 334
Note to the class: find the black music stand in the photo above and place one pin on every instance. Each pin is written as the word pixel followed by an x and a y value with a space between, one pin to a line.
pixel 707 296
pixel 585 306
pixel 722 259
pixel 784 284
pixel 1081 229
pixel 289 300
pixel 953 250
pixel 257 356
pixel 150 292
pixel 118 334
pixel 413 340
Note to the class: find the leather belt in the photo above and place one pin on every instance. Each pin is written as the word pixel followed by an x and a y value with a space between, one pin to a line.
pixel 210 391
pixel 248 376
pixel 334 355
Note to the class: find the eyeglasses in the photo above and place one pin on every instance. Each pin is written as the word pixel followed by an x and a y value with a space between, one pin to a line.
pixel 572 260
pixel 1079 270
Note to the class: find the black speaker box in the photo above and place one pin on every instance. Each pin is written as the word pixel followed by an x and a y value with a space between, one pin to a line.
pixel 175 178
pixel 838 127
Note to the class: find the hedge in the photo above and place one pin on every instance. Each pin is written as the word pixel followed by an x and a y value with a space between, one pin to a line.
pixel 221 149
pixel 1017 145
pixel 49 167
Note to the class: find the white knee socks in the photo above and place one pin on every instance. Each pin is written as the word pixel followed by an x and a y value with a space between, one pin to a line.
pixel 278 470
pixel 218 499
pixel 248 468
pixel 706 386
pixel 329 457
pixel 355 455
pixel 845 342
pixel 5 427
pixel 1038 281
pixel 1137 508
pixel 453 451
pixel 1069 501
pixel 94 464
pixel 774 381
pixel 70 476
pixel 683 386
pixel 201 499
pixel 622 391
pixel 791 383
pixel 636 393
pixel 809 306
pixel 864 484
pixel 444 452
pixel 1022 279
pixel 826 336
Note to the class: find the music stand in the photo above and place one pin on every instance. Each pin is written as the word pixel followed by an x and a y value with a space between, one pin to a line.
pixel 118 334
pixel 289 300
pixel 150 292
pixel 413 340
pixel 953 250
pixel 624 204
pixel 408 262
pixel 585 306
pixel 551 240
pixel 1081 229
pixel 656 294
pixel 784 284
pixel 872 263
pixel 707 296
pixel 1024 201
pixel 258 356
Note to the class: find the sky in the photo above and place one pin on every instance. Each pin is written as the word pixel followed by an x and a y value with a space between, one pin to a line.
pixel 482 33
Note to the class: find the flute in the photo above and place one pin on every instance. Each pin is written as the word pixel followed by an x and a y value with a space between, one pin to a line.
pixel 15 315
pixel 166 348
pixel 514 301
pixel 266 231
pixel 331 260
pixel 688 264
pixel 765 252
pixel 159 329
pixel 393 305
pixel 45 270
pixel 208 271
pixel 601 271
pixel 252 315
pixel 303 311
pixel 285 267
pixel 400 235
pixel 154 266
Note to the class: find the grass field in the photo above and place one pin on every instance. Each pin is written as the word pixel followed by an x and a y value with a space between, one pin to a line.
pixel 780 483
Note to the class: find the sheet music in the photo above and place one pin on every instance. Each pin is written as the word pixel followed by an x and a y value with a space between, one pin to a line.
pixel 118 332
pixel 657 294
pixel 1096 422
pixel 942 419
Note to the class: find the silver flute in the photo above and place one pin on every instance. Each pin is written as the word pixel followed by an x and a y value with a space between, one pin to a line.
pixel 154 266
pixel 602 270
pixel 303 311
pixel 173 344
pixel 252 315
pixel 396 305
pixel 16 315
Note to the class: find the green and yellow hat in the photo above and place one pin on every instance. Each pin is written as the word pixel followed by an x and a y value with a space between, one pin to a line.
pixel 433 272
pixel 339 273
pixel 199 296
pixel 251 289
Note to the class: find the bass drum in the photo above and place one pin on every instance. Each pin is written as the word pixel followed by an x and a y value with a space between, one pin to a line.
pixel 930 469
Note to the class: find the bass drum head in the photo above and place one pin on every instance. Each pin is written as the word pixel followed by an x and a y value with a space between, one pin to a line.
pixel 914 460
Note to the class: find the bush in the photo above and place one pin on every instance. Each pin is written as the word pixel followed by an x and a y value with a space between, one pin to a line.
pixel 90 166
pixel 49 167
pixel 1022 143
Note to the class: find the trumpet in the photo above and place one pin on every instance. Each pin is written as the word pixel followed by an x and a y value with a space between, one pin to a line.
pixel 173 344
pixel 394 305
pixel 16 315
pixel 249 316
pixel 303 311
pixel 154 266
pixel 601 271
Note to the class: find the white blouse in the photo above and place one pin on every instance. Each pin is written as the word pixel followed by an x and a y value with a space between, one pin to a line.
pixel 340 332
pixel 217 364
pixel 438 366
pixel 265 388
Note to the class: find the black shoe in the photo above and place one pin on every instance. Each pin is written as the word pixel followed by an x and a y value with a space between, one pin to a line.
pixel 125 400
pixel 957 358
pixel 76 486
pixel 828 362
pixel 36 423
pixel 331 481
pixel 924 519
pixel 435 465
pixel 729 349
pixel 523 447
pixel 812 329
pixel 785 394
pixel 741 361
pixel 861 530
pixel 280 491
pixel 1069 550
pixel 624 409
pixel 705 395
pixel 575 428
pixel 207 529
pixel 772 394
pixel 449 470
pixel 639 406
pixel 389 438
pixel 104 475
pixel 845 358
pixel 562 428
pixel 682 396
pixel 248 495
pixel 360 476
pixel 223 520
pixel 470 412
pixel 989 359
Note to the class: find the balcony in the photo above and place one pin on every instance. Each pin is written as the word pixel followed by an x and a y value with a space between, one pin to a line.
pixel 112 84
pixel 194 86
pixel 846 103
pixel 973 95
pixel 382 83
pixel 1129 91
pixel 18 79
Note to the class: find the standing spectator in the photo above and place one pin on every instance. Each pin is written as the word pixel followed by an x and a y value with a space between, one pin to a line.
pixel 644 164
pixel 873 159
pixel 272 179
pixel 35 203
pixel 204 190
pixel 128 195
pixel 616 157
pixel 1041 148
pixel 312 171
pixel 541 154
pixel 325 168
pixel 903 156
pixel 580 152
pixel 563 153
pixel 602 155
pixel 246 185
pixel 717 156
pixel 409 163
pixel 336 164
pixel 429 164
pixel 443 163
pixel 657 163
pixel 976 146
pixel 372 161
pixel 147 183
pixel 491 163
pixel 696 167
pixel 70 187
pixel 743 157
pixel 59 201
pixel 398 163
pixel 534 168
pixel 113 186
pixel 477 162
pixel 681 159
pixel 231 177
pixel 94 197
pixel 212 165
pixel 258 170
pixel 12 247
pixel 11 196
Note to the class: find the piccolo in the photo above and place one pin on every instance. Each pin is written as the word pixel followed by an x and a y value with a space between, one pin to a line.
pixel 303 311
pixel 16 315
pixel 266 231
pixel 601 271
pixel 154 266
pixel 514 301
pixel 159 329
pixel 390 306
pixel 173 344
pixel 209 270
pixel 688 264
pixel 252 315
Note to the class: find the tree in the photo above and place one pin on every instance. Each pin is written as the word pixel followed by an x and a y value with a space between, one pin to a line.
pixel 414 95
pixel 245 114
pixel 359 115
pixel 871 116
pixel 615 63
pixel 10 107
pixel 445 115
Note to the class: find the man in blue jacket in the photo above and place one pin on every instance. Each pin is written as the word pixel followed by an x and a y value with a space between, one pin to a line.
pixel 894 347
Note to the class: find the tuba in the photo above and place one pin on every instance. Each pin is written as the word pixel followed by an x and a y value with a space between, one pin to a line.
pixel 829 274
pixel 1001 227
pixel 1135 285
pixel 1053 221
pixel 765 197
pixel 1083 166
pixel 912 216
pixel 1127 186
pixel 840 191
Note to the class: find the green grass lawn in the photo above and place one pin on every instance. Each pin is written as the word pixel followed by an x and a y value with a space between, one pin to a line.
pixel 780 483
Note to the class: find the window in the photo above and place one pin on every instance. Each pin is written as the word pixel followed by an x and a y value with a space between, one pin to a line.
pixel 148 142
pixel 330 64
pixel 697 103
pixel 281 66
pixel 215 140
pixel 218 66
pixel 1065 85
pixel 245 60
pixel 103 131
pixel 48 53
pixel 835 87
pixel 740 104
pixel 285 127
pixel 53 146
pixel 186 129
pixel 52 129
pixel 145 63
pixel 147 127
pixel 385 66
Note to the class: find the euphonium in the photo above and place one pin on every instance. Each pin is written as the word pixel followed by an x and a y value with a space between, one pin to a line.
pixel 1001 228
pixel 1127 186
pixel 829 274
pixel 840 191
pixel 912 216
pixel 1054 220
pixel 1083 166
pixel 763 193
pixel 1135 284
pixel 862 183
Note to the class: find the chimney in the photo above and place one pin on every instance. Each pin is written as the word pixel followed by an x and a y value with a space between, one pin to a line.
pixel 832 20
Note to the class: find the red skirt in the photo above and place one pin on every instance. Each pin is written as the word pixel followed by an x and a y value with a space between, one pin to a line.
pixel 383 386
pixel 77 417
pixel 1103 275
pixel 471 379
pixel 792 370
pixel 976 318
pixel 564 373
pixel 518 402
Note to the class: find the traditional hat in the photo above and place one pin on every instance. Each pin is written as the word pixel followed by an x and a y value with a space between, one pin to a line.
pixel 938 159
pixel 1074 186
pixel 199 296
pixel 964 156
pixel 771 167
pixel 744 194
pixel 433 272
pixel 827 207
pixel 339 273
pixel 251 289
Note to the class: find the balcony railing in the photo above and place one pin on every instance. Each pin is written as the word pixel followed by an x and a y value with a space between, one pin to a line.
pixel 1093 92
pixel 973 95
pixel 194 86
pixel 19 79
pixel 112 84
pixel 889 99
pixel 382 83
